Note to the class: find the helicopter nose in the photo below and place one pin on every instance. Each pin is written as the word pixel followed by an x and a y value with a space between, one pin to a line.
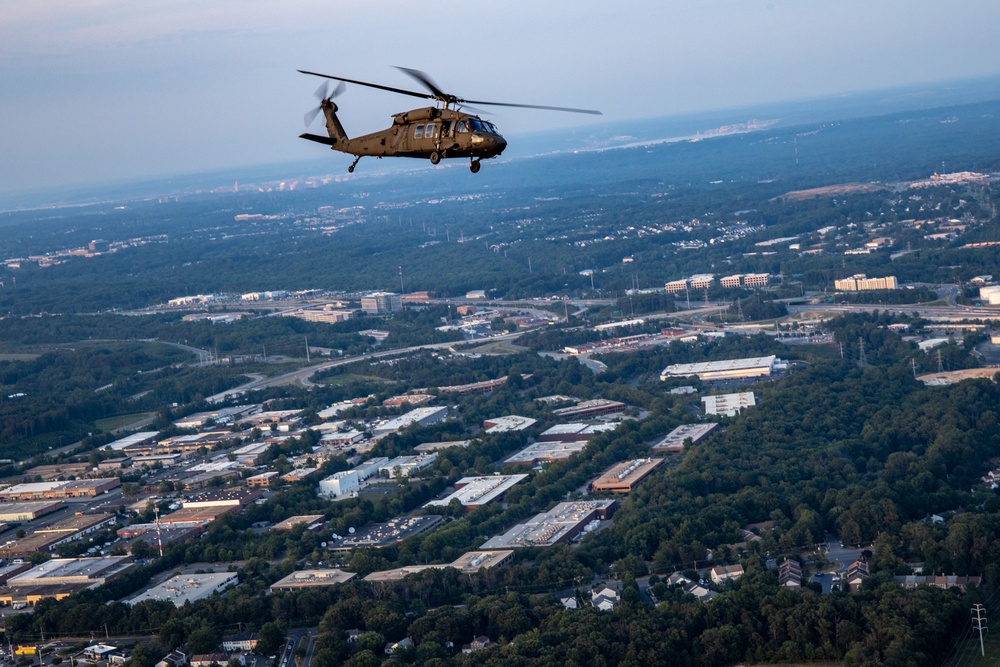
pixel 501 144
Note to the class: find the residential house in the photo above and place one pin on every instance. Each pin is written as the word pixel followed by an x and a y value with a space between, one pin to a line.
pixel 721 573
pixel 477 644
pixel 243 642
pixel 175 658
pixel 790 575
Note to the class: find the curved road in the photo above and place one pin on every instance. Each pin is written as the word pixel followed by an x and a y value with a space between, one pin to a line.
pixel 302 375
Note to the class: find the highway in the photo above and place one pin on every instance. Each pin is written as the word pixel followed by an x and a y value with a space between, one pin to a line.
pixel 302 375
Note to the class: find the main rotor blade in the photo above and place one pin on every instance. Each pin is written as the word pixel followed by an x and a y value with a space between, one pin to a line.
pixel 593 112
pixel 401 91
pixel 427 81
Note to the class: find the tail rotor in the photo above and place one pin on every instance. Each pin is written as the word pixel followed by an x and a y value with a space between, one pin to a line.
pixel 325 97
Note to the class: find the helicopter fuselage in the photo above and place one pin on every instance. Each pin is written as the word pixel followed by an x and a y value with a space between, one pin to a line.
pixel 422 132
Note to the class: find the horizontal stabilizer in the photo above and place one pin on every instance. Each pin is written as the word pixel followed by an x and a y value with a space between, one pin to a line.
pixel 329 141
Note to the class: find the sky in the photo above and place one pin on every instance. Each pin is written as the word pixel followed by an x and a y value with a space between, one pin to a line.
pixel 102 91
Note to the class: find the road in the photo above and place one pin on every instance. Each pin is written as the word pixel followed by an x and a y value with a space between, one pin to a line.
pixel 302 375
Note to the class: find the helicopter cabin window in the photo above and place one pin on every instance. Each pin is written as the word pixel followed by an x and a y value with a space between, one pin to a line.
pixel 445 128
pixel 429 131
pixel 418 132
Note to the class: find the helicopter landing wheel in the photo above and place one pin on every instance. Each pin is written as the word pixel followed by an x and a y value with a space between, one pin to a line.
pixel 350 170
pixel 435 158
pixel 474 166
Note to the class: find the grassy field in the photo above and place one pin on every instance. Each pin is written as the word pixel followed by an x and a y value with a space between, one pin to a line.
pixel 112 423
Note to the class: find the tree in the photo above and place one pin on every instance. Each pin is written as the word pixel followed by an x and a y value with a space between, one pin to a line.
pixel 270 638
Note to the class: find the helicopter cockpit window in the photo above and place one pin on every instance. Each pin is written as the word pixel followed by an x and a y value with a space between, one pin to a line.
pixel 418 132
pixel 477 125
pixel 491 126
pixel 462 126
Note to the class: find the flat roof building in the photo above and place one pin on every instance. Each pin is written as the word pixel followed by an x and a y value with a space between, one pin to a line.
pixel 673 442
pixel 144 437
pixel 391 532
pixel 574 432
pixel 406 466
pixel 312 579
pixel 725 370
pixel 187 588
pixel 310 521
pixel 557 526
pixel 467 563
pixel 623 477
pixel 590 409
pixel 728 404
pixel 420 416
pixel 508 423
pixel 474 492
pixel 19 512
pixel 438 446
pixel 78 488
pixel 546 452
pixel 381 303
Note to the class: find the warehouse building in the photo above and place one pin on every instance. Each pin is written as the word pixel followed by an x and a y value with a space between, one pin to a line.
pixel 546 452
pixel 419 416
pixel 623 477
pixel 188 588
pixel 61 577
pixel 474 492
pixel 557 526
pixel 590 409
pixel 730 369
pixel 508 423
pixel 312 579
pixel 673 442
pixel 20 512
pixel 574 432
pixel 79 488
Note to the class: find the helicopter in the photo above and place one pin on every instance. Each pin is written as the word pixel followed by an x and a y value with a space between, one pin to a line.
pixel 432 133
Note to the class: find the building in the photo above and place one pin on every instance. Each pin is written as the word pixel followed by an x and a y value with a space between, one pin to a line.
pixel 574 432
pixel 438 446
pixel 393 531
pixel 406 466
pixel 235 498
pixel 245 642
pixel 546 452
pixel 78 488
pixel 701 280
pixel 19 512
pixel 508 423
pixel 310 521
pixel 472 492
pixel 944 581
pixel 468 563
pixel 673 442
pixel 412 400
pixel 263 480
pixel 143 438
pixel 61 577
pixel 477 644
pixel 860 283
pixel 676 285
pixel 721 573
pixel 311 579
pixel 590 409
pixel 324 314
pixel 623 477
pixel 856 574
pixel 220 416
pixel 729 369
pixel 345 482
pixel 188 588
pixel 557 526
pixel 484 387
pixel 381 303
pixel 299 474
pixel 790 575
pixel 339 484
pixel 418 416
pixel 728 404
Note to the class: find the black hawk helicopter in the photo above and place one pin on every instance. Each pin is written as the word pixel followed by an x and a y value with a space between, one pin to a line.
pixel 433 133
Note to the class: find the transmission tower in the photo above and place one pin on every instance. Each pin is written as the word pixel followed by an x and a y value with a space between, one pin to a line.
pixel 979 623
